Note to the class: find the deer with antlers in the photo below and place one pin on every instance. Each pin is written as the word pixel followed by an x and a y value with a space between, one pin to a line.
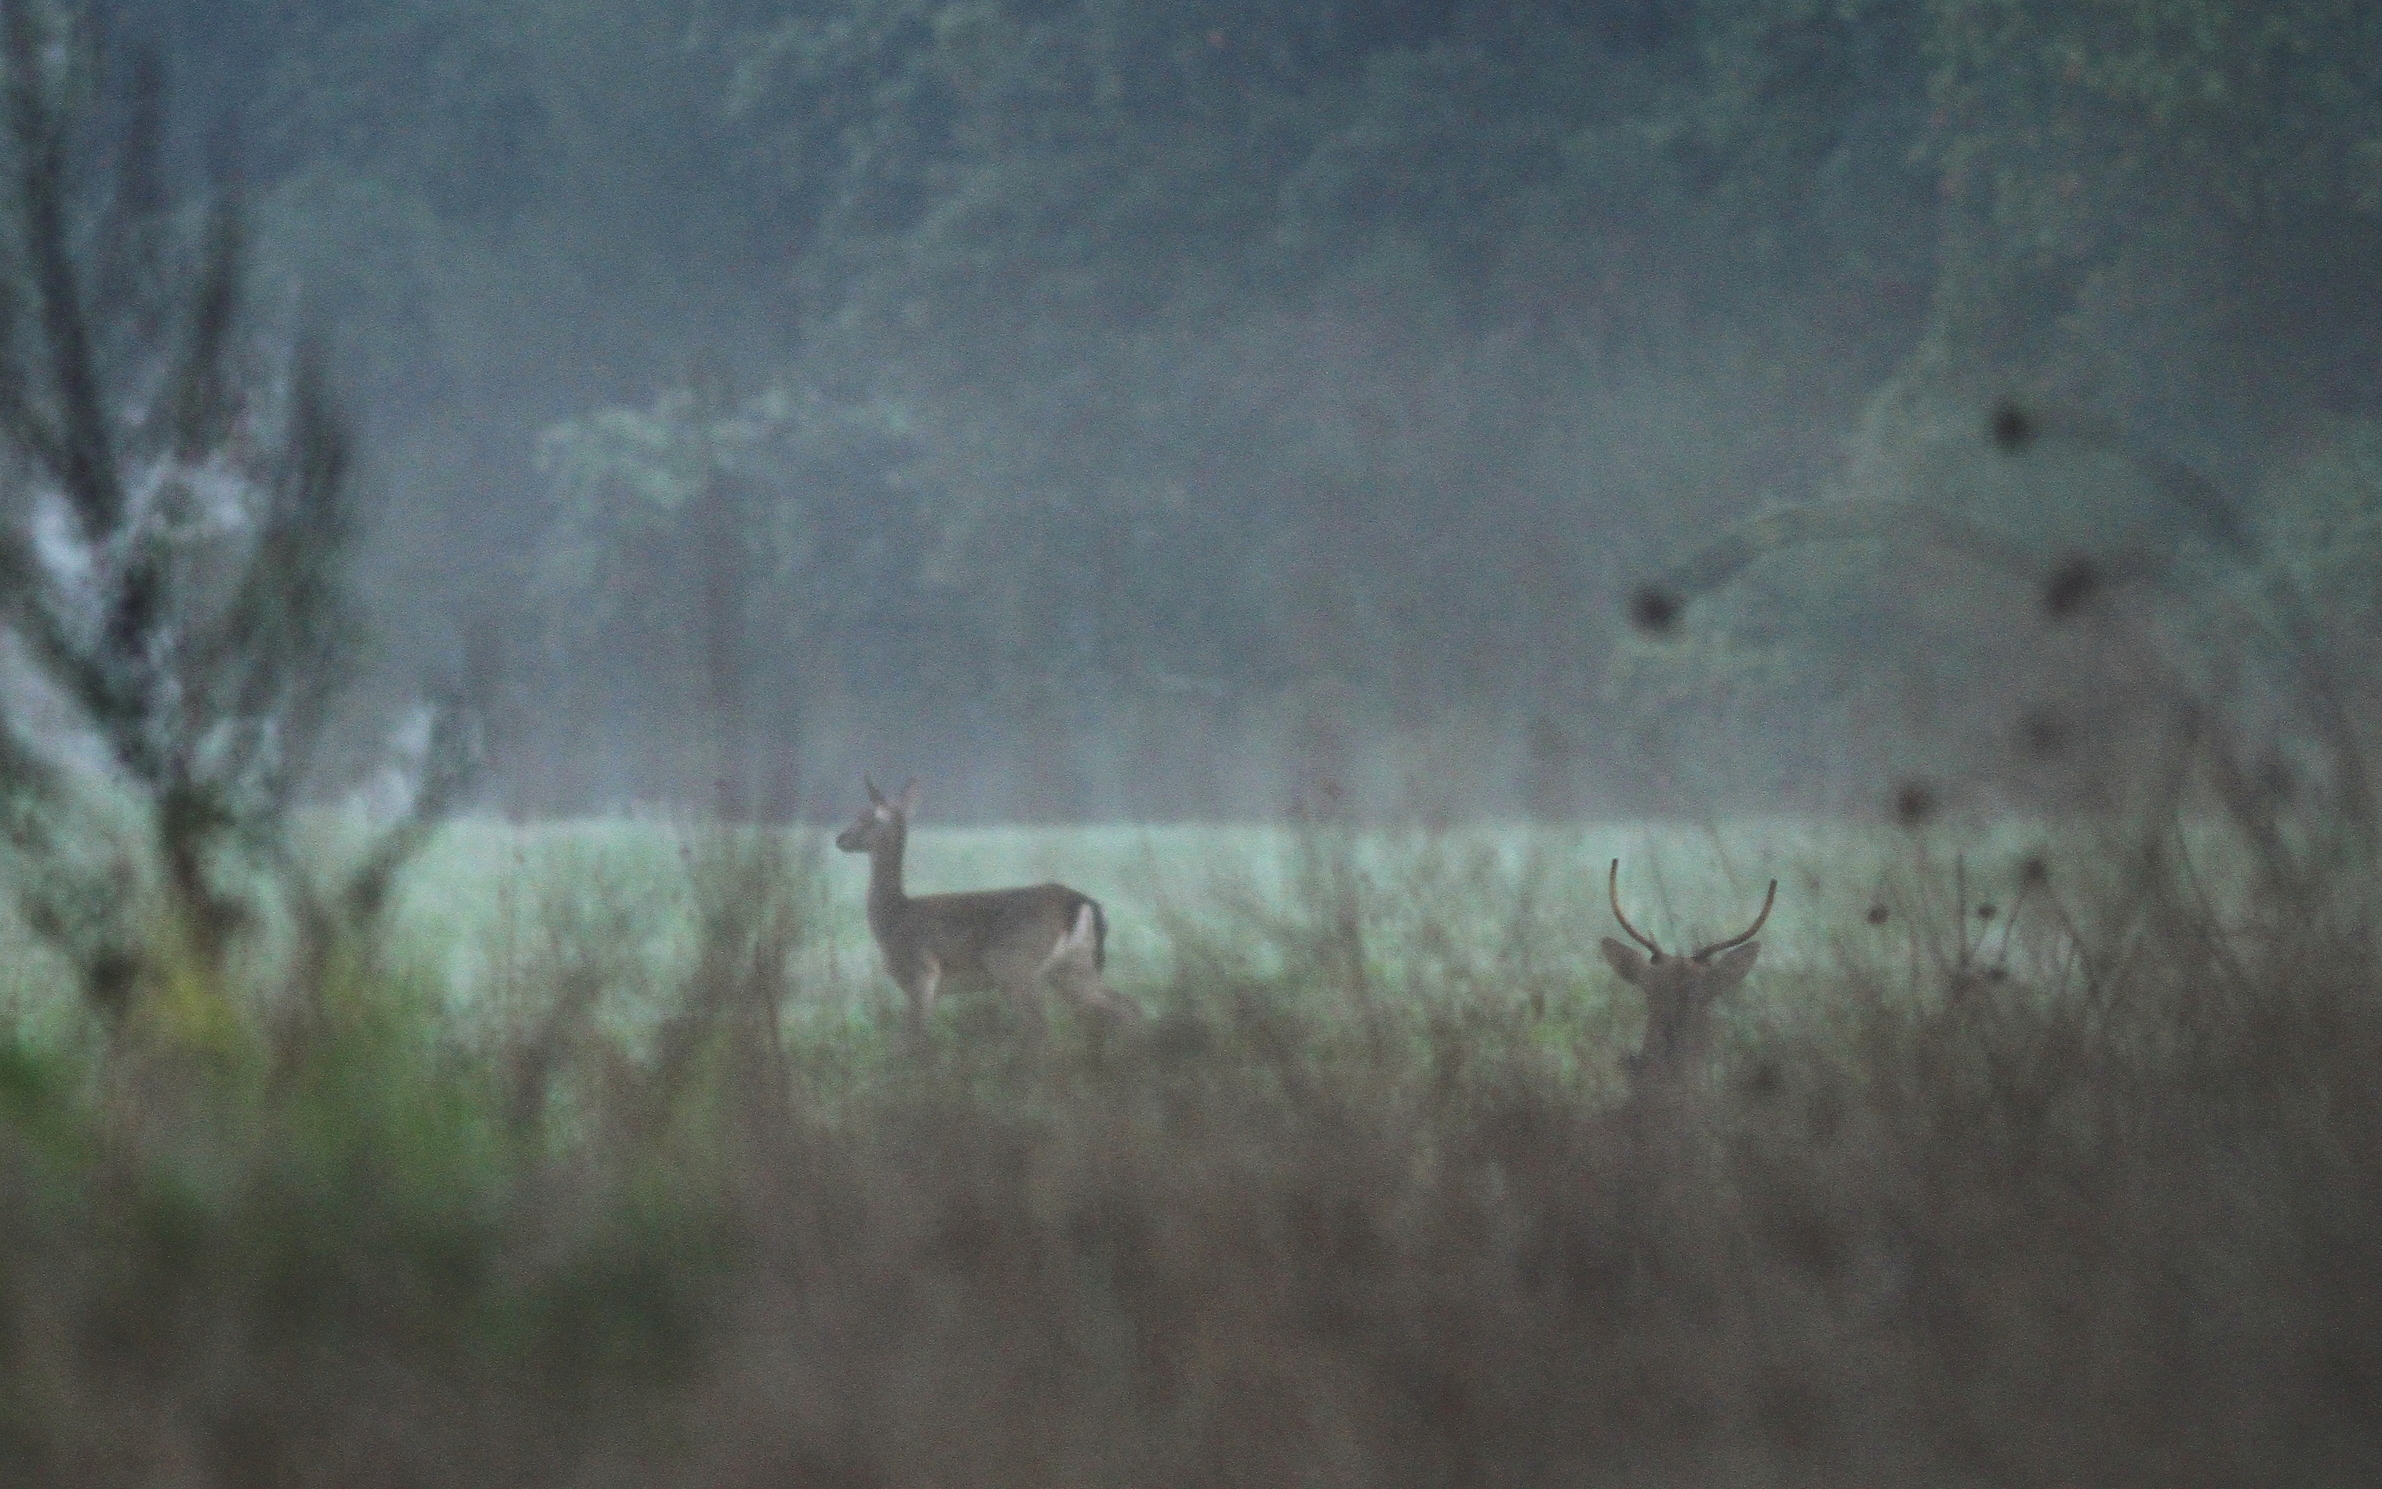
pixel 1664 1189
pixel 1680 992
pixel 1025 943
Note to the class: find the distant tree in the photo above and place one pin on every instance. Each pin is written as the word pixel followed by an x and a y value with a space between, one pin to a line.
pixel 2144 201
pixel 1101 162
pixel 1228 315
pixel 172 564
pixel 729 559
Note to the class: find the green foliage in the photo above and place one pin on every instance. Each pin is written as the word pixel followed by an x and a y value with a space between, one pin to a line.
pixel 1217 337
pixel 1105 163
pixel 2324 526
pixel 812 490
pixel 179 518
pixel 2076 111
pixel 1459 216
pixel 1054 151
pixel 363 1206
pixel 2141 189
pixel 1240 339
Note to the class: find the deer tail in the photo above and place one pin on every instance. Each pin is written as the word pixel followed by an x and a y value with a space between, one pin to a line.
pixel 1099 934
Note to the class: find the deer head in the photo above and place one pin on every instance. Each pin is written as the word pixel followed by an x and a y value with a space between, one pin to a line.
pixel 881 821
pixel 1680 990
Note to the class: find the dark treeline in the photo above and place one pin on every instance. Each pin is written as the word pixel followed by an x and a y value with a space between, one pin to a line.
pixel 1164 409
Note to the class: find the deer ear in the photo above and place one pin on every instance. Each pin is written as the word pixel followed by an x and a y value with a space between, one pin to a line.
pixel 876 798
pixel 1628 963
pixel 909 796
pixel 1729 968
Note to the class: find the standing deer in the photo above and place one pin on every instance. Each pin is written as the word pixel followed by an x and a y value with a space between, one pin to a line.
pixel 1680 992
pixel 1024 942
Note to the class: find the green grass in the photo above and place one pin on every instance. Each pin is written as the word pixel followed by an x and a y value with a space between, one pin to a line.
pixel 1444 899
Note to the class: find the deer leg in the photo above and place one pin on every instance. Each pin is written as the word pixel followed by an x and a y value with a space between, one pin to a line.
pixel 920 985
pixel 1073 969
pixel 1019 976
pixel 1030 1011
pixel 1080 983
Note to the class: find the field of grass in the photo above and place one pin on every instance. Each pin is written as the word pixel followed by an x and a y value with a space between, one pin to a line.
pixel 1440 906
pixel 2034 1157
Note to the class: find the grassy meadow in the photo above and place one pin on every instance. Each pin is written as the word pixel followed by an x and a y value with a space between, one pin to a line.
pixel 2039 1155
pixel 1444 910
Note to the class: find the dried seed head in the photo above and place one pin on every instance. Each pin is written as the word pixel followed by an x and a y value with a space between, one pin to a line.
pixel 2068 588
pixel 1654 610
pixel 2011 428
pixel 1915 803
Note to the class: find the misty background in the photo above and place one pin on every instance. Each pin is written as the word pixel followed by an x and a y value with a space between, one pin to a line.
pixel 1159 410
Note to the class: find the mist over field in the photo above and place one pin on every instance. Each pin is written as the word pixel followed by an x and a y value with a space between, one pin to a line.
pixel 908 742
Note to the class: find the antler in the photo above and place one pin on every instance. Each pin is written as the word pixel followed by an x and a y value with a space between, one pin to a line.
pixel 1750 931
pixel 1613 890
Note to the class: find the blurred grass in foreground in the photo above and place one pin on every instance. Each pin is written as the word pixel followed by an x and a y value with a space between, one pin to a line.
pixel 2050 1160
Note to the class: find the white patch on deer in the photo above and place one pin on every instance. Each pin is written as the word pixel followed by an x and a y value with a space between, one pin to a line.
pixel 1076 942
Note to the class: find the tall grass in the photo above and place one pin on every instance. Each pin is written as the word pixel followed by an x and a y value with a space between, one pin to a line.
pixel 2084 1190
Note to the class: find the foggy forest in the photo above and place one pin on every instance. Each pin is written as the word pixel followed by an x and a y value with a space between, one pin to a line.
pixel 912 742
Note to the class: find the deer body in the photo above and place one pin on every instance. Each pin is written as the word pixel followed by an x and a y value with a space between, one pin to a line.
pixel 1024 943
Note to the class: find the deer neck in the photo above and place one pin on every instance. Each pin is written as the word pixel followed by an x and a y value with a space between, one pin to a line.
pixel 885 897
pixel 1677 1033
pixel 1668 1074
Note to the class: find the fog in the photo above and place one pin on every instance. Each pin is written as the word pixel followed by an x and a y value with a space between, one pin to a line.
pixel 1167 412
